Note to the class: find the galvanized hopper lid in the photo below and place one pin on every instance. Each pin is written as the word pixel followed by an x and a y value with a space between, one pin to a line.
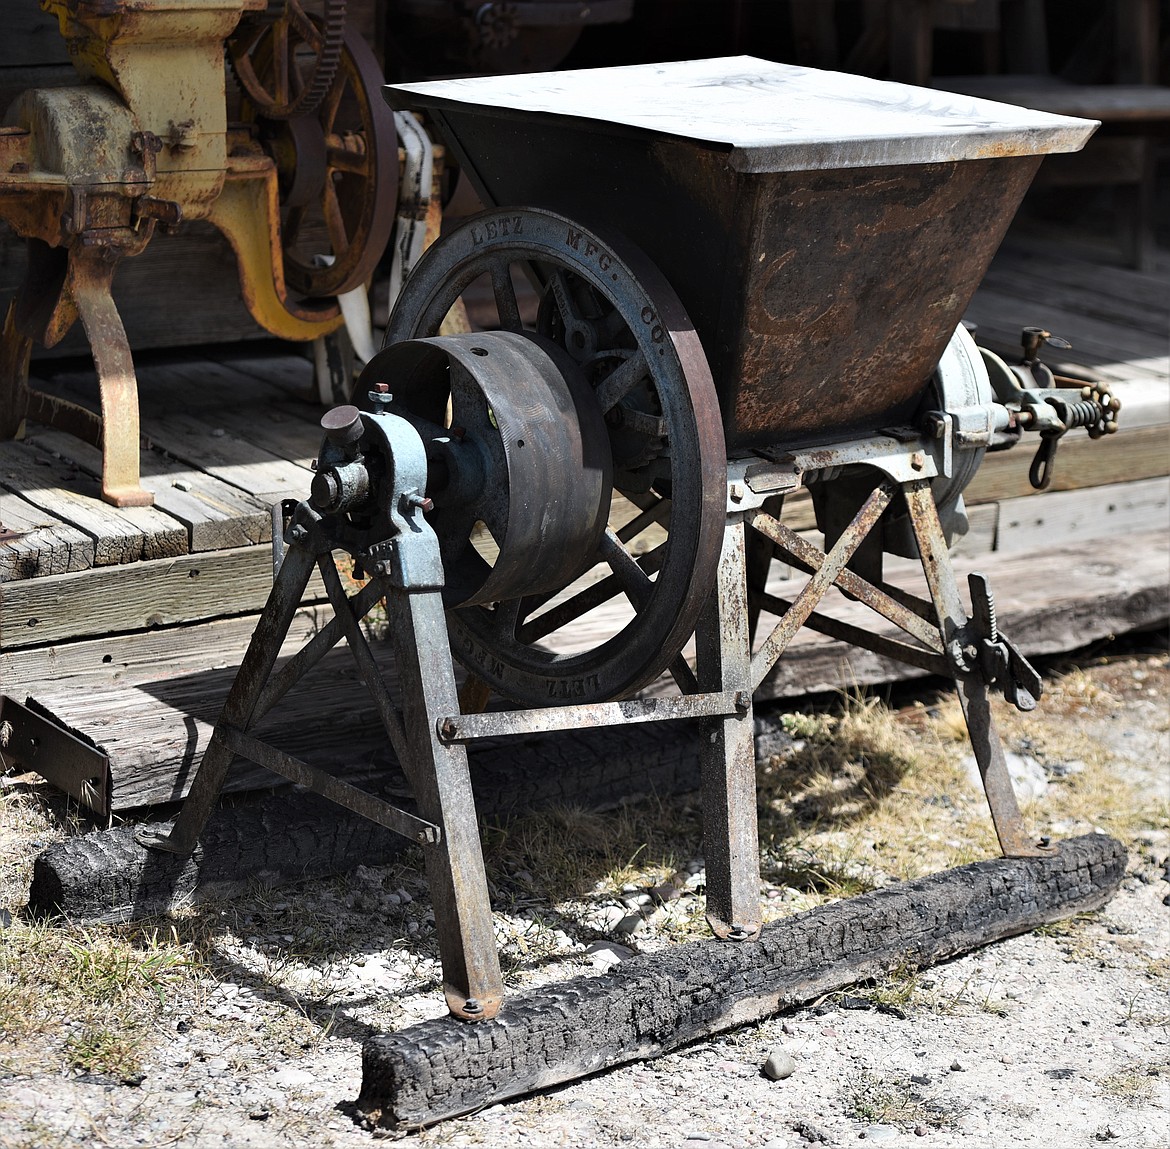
pixel 772 117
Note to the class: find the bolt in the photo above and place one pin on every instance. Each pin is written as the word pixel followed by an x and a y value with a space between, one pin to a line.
pixel 743 699
pixel 471 1005
pixel 917 460
pixel 448 729
pixel 422 502
pixel 298 533
pixel 736 491
pixel 382 567
pixel 935 425
pixel 739 933
pixel 1045 842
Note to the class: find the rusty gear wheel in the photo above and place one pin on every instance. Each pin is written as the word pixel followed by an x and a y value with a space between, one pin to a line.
pixel 338 174
pixel 626 614
pixel 285 58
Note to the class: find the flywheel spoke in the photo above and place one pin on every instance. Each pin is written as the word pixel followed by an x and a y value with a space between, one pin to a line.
pixel 635 582
pixel 335 220
pixel 305 28
pixel 350 161
pixel 280 61
pixel 505 292
pixel 588 599
pixel 618 384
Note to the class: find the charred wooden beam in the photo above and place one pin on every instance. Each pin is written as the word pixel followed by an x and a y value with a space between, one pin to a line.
pixel 654 1003
pixel 106 876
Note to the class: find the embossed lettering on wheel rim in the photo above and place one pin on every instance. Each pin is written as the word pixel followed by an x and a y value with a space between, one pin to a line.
pixel 681 378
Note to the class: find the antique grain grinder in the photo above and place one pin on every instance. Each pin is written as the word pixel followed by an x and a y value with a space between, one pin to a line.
pixel 750 278
pixel 303 188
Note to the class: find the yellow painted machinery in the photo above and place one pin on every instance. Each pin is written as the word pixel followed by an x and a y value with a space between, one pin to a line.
pixel 303 186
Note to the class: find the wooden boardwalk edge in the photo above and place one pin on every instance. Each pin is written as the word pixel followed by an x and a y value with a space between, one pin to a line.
pixel 154 728
pixel 654 1003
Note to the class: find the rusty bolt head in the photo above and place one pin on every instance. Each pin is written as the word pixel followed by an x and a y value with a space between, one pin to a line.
pixel 917 460
pixel 448 729
pixel 471 1005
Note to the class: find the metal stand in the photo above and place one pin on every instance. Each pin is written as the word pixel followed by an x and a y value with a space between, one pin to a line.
pixel 429 733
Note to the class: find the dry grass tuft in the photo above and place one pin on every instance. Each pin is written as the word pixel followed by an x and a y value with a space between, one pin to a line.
pixel 894 1101
pixel 98 989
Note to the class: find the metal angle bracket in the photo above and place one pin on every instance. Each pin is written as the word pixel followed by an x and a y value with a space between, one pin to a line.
pixel 32 739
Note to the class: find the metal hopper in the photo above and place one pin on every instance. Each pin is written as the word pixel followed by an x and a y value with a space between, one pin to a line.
pixel 824 231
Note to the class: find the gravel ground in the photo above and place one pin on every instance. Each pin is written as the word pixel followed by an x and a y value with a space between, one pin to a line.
pixel 241 1024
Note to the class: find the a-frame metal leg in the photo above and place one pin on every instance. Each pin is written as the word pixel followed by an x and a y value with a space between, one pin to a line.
pixel 727 751
pixel 439 777
pixel 249 683
pixel 1014 839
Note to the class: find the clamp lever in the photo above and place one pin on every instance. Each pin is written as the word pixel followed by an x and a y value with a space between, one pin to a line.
pixel 1001 663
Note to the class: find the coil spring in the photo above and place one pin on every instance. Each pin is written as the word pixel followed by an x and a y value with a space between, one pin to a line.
pixel 1084 413
pixel 1096 410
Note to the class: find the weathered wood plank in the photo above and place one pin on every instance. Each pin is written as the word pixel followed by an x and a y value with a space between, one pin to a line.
pixel 232 458
pixel 1095 343
pixel 150 703
pixel 34 543
pixel 137 596
pixel 1143 453
pixel 217 516
pixel 1024 281
pixel 654 1003
pixel 1047 262
pixel 1061 517
pixel 120 534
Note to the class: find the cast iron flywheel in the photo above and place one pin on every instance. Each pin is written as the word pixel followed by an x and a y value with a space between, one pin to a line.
pixel 617 614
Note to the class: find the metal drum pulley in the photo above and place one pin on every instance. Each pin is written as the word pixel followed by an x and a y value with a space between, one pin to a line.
pixel 646 413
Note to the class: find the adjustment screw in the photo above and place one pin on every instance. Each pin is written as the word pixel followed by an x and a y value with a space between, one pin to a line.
pixel 422 502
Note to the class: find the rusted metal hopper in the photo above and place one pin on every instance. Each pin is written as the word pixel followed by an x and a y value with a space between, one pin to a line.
pixel 825 232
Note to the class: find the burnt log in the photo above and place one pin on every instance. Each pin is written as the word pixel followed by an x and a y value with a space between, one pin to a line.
pixel 290 835
pixel 654 1003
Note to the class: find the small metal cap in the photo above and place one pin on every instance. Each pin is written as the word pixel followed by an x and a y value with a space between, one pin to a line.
pixel 342 425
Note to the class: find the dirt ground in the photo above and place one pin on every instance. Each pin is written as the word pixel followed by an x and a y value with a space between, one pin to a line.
pixel 242 1023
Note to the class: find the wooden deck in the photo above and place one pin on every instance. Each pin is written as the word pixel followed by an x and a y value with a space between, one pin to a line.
pixel 128 623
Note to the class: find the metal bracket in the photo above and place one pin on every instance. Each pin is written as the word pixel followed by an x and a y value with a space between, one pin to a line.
pixel 36 742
